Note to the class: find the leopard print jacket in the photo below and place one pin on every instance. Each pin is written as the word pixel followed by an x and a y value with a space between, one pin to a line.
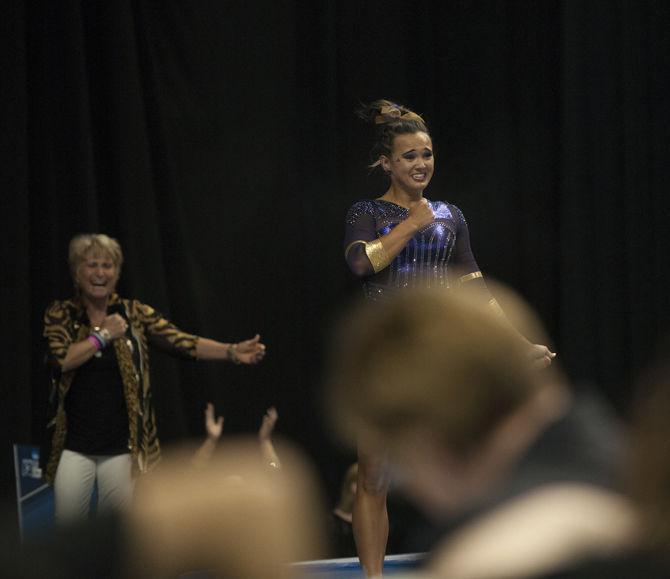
pixel 66 322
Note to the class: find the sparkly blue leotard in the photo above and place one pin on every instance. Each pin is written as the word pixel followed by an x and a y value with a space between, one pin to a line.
pixel 437 253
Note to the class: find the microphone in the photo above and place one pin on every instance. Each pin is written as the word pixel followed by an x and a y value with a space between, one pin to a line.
pixel 117 309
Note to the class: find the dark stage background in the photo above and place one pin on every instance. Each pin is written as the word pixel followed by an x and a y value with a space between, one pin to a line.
pixel 217 141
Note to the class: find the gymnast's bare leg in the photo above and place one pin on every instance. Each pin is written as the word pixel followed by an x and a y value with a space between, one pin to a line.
pixel 370 518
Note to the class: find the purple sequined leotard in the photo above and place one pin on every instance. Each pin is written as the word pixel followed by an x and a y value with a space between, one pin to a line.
pixel 432 257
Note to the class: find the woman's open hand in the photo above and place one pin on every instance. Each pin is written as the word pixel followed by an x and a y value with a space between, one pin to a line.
pixel 250 351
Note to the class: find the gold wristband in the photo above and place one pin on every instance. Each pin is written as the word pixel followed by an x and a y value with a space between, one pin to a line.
pixel 232 354
pixel 377 255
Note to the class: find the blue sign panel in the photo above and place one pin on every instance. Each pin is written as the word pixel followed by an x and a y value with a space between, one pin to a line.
pixel 34 498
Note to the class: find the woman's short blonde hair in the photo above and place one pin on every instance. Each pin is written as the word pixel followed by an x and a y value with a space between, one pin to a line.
pixel 97 243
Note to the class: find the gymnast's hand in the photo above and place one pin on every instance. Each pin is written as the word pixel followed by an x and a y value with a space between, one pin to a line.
pixel 250 351
pixel 541 356
pixel 116 325
pixel 421 214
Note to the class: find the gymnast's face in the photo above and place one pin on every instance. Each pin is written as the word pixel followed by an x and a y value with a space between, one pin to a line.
pixel 96 276
pixel 411 163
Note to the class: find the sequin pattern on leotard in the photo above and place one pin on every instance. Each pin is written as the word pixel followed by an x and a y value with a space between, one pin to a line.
pixel 424 261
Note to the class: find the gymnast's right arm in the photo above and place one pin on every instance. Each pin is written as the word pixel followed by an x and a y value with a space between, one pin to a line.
pixel 365 252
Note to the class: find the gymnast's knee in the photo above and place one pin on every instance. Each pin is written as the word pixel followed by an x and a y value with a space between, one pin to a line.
pixel 373 480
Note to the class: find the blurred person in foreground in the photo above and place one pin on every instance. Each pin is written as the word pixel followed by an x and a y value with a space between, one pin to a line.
pixel 518 471
pixel 230 517
pixel 647 480
pixel 648 476
pixel 233 516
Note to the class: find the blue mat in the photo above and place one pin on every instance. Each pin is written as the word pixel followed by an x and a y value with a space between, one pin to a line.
pixel 350 568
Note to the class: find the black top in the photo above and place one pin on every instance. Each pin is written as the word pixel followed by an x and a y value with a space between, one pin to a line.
pixel 66 323
pixel 96 408
pixel 637 565
pixel 584 446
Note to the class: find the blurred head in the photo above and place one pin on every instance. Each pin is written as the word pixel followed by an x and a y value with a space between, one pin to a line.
pixel 95 264
pixel 649 469
pixel 402 146
pixel 444 382
pixel 233 515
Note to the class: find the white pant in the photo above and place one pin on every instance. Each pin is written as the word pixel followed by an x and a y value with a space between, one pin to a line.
pixel 74 481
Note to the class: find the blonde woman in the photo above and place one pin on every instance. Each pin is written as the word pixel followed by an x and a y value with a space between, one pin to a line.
pixel 102 424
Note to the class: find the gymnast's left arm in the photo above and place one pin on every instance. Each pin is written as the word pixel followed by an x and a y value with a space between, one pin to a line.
pixel 470 274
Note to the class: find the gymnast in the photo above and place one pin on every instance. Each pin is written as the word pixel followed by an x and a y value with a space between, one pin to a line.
pixel 397 241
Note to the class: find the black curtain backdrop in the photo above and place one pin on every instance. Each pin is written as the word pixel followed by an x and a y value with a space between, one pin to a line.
pixel 216 140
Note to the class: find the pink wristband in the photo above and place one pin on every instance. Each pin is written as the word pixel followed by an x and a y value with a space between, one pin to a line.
pixel 96 343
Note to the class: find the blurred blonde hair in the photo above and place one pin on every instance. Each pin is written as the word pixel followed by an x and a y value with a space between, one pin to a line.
pixel 648 475
pixel 233 515
pixel 439 359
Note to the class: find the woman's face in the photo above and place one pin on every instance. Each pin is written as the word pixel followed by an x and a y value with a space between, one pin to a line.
pixel 97 276
pixel 411 164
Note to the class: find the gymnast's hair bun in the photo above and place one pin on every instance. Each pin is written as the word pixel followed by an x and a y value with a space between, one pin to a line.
pixel 389 120
pixel 383 111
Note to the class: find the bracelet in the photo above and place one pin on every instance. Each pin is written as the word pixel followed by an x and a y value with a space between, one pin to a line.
pixel 99 336
pixel 232 354
pixel 96 343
